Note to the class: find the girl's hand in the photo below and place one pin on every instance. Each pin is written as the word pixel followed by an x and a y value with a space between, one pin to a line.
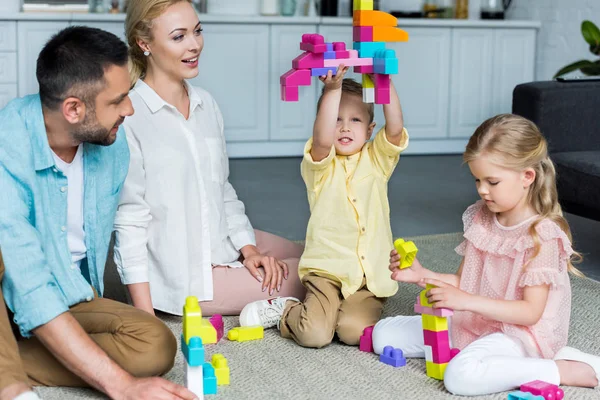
pixel 448 296
pixel 414 274
pixel 334 82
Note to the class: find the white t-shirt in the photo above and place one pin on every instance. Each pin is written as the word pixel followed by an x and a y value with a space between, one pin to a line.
pixel 75 231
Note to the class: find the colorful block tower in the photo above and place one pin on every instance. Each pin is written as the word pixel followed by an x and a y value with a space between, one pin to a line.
pixel 371 30
pixel 435 334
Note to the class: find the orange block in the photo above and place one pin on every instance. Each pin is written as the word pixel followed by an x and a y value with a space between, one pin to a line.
pixel 389 34
pixel 373 18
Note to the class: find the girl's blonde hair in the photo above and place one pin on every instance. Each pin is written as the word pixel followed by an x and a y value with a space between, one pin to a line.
pixel 138 25
pixel 516 143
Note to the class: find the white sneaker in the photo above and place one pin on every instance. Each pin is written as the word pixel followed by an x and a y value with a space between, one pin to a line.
pixel 28 396
pixel 266 313
pixel 572 354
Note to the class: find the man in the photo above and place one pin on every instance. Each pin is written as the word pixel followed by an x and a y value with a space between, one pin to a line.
pixel 63 160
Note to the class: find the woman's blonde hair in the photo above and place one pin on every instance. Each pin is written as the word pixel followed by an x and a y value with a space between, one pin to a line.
pixel 516 143
pixel 138 25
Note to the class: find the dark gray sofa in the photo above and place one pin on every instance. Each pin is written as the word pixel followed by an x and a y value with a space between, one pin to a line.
pixel 568 114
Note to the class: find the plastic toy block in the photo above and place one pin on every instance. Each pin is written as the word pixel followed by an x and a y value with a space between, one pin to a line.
pixel 193 352
pixel 367 83
pixel 296 77
pixel 362 33
pixel 209 378
pixel 217 321
pixel 434 370
pixel 348 62
pixel 367 49
pixel 540 388
pixel 362 5
pixel 195 325
pixel 366 340
pixel 323 71
pixel 407 251
pixel 433 323
pixel 339 46
pixel 329 46
pixel 344 54
pixel 438 312
pixel 289 93
pixel 382 82
pixel 454 352
pixel 393 357
pixel 353 53
pixel 433 338
pixel 246 333
pixel 423 296
pixel 329 55
pixel 382 95
pixel 523 396
pixel 367 69
pixel 308 60
pixel 313 42
pixel 219 363
pixel 369 95
pixel 385 62
pixel 389 34
pixel 373 18
pixel 193 380
pixel 428 353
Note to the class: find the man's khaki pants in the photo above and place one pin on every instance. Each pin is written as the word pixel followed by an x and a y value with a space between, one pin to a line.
pixel 325 312
pixel 140 343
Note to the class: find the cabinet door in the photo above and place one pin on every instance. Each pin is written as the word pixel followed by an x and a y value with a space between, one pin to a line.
pixel 7 93
pixel 290 120
pixel 514 63
pixel 32 36
pixel 116 28
pixel 234 68
pixel 422 82
pixel 471 80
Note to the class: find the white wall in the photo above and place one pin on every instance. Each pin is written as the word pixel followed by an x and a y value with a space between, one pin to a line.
pixel 559 40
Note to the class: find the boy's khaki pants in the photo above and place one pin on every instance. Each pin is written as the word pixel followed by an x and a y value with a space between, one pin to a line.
pixel 325 312
pixel 139 342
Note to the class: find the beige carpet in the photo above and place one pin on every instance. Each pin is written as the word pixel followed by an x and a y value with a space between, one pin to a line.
pixel 275 368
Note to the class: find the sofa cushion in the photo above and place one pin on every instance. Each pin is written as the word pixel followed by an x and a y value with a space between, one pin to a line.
pixel 579 181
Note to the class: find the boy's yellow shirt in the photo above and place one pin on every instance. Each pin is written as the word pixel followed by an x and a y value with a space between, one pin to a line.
pixel 349 234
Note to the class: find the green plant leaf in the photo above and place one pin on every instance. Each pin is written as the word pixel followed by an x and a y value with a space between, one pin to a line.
pixel 590 33
pixel 574 67
pixel 592 70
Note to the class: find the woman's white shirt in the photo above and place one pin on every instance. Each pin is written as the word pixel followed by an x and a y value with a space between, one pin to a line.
pixel 178 214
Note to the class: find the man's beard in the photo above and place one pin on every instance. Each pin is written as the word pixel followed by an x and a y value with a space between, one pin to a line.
pixel 92 132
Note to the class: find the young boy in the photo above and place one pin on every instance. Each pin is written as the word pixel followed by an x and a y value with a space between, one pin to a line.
pixel 344 265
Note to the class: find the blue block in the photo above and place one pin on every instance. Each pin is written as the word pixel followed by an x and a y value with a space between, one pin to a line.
pixel 209 379
pixel 385 62
pixel 194 352
pixel 368 49
pixel 329 46
pixel 393 357
pixel 323 71
pixel 329 55
pixel 523 396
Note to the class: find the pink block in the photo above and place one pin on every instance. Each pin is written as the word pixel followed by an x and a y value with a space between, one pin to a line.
pixel 353 53
pixel 217 321
pixel 289 93
pixel 540 388
pixel 454 352
pixel 348 62
pixel 342 54
pixel 296 77
pixel 366 340
pixel 339 46
pixel 438 312
pixel 432 338
pixel 382 89
pixel 313 42
pixel 308 60
pixel 362 34
pixel 364 69
pixel 313 38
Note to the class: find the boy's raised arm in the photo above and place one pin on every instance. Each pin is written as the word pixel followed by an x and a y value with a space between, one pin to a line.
pixel 394 120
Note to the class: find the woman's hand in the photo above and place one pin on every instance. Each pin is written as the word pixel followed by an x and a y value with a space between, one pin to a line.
pixel 414 274
pixel 445 295
pixel 274 270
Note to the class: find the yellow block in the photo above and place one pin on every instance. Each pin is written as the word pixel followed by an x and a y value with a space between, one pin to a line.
pixel 435 371
pixel 406 250
pixel 424 301
pixel 195 325
pixel 246 333
pixel 367 83
pixel 362 5
pixel 219 363
pixel 435 324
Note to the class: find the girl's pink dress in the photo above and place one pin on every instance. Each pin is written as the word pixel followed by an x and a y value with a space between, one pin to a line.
pixel 494 259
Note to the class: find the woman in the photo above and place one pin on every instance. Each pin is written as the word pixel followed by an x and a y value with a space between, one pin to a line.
pixel 180 228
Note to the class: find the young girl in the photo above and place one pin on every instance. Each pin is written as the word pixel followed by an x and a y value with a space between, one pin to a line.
pixel 511 294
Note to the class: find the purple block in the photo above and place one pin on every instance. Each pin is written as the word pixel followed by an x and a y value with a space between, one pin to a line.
pixel 366 340
pixel 329 46
pixel 323 71
pixel 540 388
pixel 393 357
pixel 330 55
pixel 217 321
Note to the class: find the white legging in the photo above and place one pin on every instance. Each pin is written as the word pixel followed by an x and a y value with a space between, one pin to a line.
pixel 491 364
